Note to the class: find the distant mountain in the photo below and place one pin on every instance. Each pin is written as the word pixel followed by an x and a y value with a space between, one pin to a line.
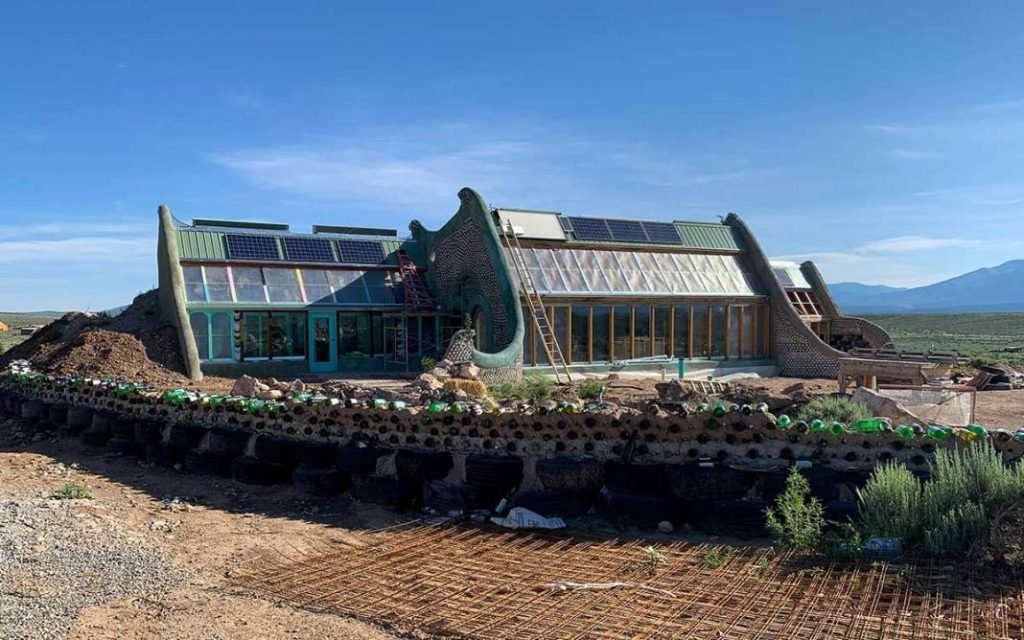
pixel 991 289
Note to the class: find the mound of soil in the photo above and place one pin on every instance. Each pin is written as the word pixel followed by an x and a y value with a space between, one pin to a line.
pixel 135 345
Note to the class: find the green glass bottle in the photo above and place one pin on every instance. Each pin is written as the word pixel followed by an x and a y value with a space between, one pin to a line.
pixel 435 407
pixel 817 426
pixel 837 428
pixel 939 434
pixel 980 432
pixel 905 431
pixel 869 425
pixel 784 421
pixel 702 407
pixel 719 410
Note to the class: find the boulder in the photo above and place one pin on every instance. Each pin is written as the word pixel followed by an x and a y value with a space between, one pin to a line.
pixel 428 382
pixel 468 371
pixel 885 407
pixel 440 372
pixel 245 386
pixel 298 386
pixel 270 394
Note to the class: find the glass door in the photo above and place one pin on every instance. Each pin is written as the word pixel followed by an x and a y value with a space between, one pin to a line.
pixel 322 342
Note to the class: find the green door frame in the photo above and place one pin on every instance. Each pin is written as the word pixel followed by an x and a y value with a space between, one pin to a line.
pixel 320 321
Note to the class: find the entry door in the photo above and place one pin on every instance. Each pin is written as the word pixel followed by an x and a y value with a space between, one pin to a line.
pixel 323 345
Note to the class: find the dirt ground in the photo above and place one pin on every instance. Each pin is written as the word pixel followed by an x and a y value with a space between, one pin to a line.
pixel 209 527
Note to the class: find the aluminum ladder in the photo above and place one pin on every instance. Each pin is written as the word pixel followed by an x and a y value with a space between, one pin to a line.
pixel 541 322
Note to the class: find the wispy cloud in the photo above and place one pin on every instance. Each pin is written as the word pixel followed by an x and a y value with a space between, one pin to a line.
pixel 906 244
pixel 913 154
pixel 421 168
pixel 889 128
pixel 72 250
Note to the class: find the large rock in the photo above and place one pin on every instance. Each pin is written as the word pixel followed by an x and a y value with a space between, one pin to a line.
pixel 245 386
pixel 468 371
pixel 428 382
pixel 885 407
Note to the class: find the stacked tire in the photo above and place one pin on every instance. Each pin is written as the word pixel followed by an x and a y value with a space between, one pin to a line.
pixel 637 494
pixel 570 487
pixel 716 499
pixel 357 460
pixel 273 461
pixel 317 474
pixel 493 477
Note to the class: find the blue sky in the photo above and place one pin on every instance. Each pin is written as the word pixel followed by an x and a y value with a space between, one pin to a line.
pixel 883 140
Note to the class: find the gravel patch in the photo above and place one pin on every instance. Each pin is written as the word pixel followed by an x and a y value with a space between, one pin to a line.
pixel 57 558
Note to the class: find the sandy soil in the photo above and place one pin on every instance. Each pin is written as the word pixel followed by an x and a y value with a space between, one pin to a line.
pixel 210 527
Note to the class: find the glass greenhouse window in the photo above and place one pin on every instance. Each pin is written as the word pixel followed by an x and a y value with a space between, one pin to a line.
pixel 747 332
pixel 623 343
pixel 288 335
pixel 581 271
pixel 195 288
pixel 580 333
pixel 701 344
pixel 218 287
pixel 318 289
pixel 249 284
pixel 220 336
pixel 282 285
pixel 681 328
pixel 201 331
pixel 255 332
pixel 662 339
pixel 735 319
pixel 560 325
pixel 718 330
pixel 601 330
pixel 378 285
pixel 348 286
pixel 641 331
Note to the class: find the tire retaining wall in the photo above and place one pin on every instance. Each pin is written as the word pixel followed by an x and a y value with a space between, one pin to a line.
pixel 561 463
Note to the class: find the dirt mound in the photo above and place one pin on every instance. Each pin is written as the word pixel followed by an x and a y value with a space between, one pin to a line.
pixel 135 345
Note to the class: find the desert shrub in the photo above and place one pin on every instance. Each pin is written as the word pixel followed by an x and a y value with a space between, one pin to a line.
pixel 590 388
pixel 797 519
pixel 533 388
pixel 73 492
pixel 949 513
pixel 829 408
pixel 890 503
pixel 428 364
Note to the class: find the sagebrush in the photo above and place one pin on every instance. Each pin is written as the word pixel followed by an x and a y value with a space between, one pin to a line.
pixel 834 408
pixel 797 519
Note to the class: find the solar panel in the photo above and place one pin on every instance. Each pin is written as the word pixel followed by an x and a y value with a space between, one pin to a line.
pixel 783 277
pixel 566 224
pixel 590 229
pixel 308 250
pixel 661 232
pixel 626 230
pixel 251 247
pixel 361 252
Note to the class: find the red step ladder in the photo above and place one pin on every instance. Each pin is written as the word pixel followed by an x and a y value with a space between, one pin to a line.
pixel 416 294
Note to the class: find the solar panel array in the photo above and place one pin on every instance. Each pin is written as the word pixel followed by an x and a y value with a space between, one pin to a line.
pixel 566 224
pixel 661 232
pixel 252 247
pixel 308 250
pixel 615 230
pixel 626 230
pixel 360 251
pixel 590 229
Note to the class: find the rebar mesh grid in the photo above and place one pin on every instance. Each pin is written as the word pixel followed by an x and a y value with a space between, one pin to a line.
pixel 484 583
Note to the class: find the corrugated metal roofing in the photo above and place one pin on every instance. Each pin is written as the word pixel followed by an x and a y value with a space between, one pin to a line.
pixel 709 236
pixel 201 245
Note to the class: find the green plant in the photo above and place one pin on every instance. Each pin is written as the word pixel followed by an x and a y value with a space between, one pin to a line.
pixel 951 512
pixel 890 502
pixel 73 491
pixel 534 388
pixel 428 364
pixel 797 519
pixel 590 388
pixel 713 558
pixel 829 408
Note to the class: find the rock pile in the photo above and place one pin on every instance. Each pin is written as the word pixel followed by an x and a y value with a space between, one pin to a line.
pixel 460 379
pixel 272 389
